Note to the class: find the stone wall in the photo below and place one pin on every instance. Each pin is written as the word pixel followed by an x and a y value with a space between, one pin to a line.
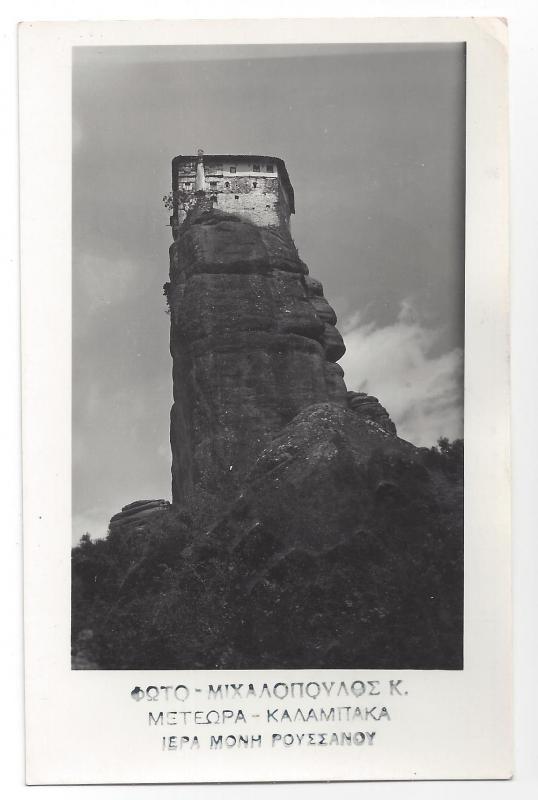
pixel 258 200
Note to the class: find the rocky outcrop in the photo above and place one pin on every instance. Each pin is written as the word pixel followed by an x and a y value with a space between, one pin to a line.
pixel 253 343
pixel 329 473
pixel 137 512
pixel 369 408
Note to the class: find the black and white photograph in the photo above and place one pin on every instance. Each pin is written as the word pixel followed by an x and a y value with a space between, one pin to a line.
pixel 265 317
pixel 268 418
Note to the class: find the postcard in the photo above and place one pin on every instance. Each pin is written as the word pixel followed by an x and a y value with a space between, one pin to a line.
pixel 265 400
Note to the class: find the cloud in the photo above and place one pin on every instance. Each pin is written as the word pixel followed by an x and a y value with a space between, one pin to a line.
pixel 422 392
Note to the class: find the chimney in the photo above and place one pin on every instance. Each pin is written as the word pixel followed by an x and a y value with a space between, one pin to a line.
pixel 199 185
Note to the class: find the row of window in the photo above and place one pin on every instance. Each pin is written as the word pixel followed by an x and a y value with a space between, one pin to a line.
pixel 255 168
pixel 214 184
pixel 215 200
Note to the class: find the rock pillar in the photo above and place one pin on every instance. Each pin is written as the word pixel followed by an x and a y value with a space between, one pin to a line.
pixel 253 343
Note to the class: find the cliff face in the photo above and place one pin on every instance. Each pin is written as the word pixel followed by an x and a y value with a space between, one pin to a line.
pixel 253 343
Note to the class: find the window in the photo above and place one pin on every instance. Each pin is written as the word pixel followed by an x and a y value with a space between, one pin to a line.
pixel 212 184
pixel 233 169
pixel 237 197
pixel 227 184
pixel 254 184
pixel 256 167
pixel 270 168
pixel 187 185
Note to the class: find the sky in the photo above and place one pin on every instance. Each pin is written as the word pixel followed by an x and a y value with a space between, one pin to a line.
pixel 373 137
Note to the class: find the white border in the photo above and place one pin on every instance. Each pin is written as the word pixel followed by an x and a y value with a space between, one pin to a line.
pixel 469 735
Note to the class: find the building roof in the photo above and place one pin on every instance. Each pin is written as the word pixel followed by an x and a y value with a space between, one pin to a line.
pixel 283 172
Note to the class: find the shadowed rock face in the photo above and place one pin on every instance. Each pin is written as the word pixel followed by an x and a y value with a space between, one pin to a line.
pixel 316 480
pixel 253 343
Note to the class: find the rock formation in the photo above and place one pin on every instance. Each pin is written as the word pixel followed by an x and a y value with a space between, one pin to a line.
pixel 136 512
pixel 253 342
pixel 303 531
pixel 370 408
